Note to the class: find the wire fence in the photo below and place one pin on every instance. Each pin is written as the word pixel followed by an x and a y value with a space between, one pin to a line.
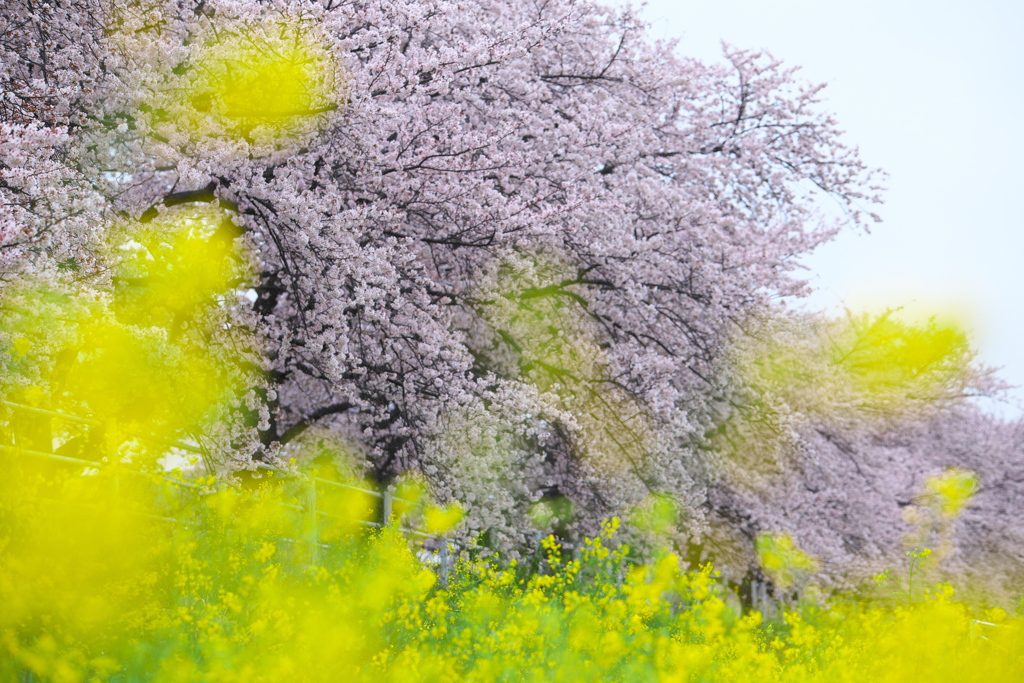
pixel 45 434
pixel 31 433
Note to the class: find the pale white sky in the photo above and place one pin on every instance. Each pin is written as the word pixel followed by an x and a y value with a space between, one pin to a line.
pixel 932 92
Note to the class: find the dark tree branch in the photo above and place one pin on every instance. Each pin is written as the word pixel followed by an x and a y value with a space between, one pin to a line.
pixel 306 422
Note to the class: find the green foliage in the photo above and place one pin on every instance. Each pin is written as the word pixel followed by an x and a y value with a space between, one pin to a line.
pixel 950 491
pixel 783 560
pixel 863 371
pixel 104 588
pixel 267 83
pixel 144 357
pixel 883 354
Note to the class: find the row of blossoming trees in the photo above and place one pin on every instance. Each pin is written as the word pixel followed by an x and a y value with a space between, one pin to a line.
pixel 517 249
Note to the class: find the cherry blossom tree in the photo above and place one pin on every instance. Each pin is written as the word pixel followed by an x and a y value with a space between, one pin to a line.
pixel 858 504
pixel 501 244
pixel 854 439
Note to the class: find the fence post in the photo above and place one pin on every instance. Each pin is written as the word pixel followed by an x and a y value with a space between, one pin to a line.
pixel 386 506
pixel 444 556
pixel 312 521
